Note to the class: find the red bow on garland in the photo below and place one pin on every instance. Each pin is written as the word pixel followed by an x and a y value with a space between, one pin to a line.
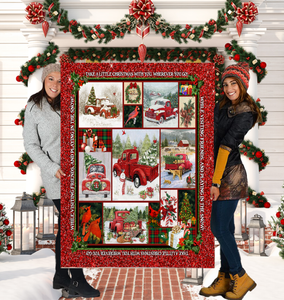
pixel 133 85
pixel 142 10
pixel 245 15
pixel 36 15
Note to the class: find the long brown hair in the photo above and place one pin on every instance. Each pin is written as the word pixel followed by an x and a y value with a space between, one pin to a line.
pixel 244 96
pixel 37 99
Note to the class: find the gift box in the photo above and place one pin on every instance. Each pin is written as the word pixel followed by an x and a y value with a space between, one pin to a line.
pixel 174 238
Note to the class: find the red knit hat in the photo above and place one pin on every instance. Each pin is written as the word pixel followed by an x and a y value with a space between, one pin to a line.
pixel 240 71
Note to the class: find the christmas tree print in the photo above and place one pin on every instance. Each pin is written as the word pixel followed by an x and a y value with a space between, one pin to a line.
pixel 185 212
pixel 92 97
pixel 133 216
pixel 5 231
pixel 277 225
pixel 150 156
pixel 89 160
pixel 117 147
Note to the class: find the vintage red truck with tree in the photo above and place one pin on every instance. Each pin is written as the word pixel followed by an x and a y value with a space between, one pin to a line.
pixel 139 174
pixel 178 162
pixel 119 226
pixel 104 108
pixel 96 181
pixel 160 110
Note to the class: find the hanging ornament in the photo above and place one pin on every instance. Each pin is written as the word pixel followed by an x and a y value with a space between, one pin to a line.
pixel 142 10
pixel 36 15
pixel 142 52
pixel 245 15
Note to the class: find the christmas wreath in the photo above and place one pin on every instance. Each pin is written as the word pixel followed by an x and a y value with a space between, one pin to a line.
pixel 96 185
pixel 141 13
pixel 239 54
pixel 254 153
pixel 37 62
pixel 130 87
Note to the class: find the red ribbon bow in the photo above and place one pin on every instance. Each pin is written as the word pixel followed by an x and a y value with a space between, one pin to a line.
pixel 35 15
pixel 247 14
pixel 133 85
pixel 142 10
pixel 166 210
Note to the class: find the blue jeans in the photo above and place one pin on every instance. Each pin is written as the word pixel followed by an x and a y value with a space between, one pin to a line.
pixel 223 228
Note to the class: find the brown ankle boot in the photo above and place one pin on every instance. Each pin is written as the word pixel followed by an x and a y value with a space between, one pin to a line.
pixel 240 286
pixel 219 286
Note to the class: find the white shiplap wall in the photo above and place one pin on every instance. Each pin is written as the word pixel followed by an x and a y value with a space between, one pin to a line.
pixel 13 95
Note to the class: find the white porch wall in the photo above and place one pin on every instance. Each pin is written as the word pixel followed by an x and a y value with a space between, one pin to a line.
pixel 14 53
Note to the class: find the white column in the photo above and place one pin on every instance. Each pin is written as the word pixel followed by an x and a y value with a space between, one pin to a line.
pixel 37 43
pixel 249 41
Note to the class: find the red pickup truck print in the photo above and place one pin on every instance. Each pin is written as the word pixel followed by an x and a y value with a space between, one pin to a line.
pixel 160 110
pixel 96 181
pixel 182 162
pixel 139 174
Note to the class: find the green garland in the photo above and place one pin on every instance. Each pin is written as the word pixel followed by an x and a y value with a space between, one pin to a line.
pixel 36 196
pixel 156 22
pixel 254 153
pixel 257 199
pixel 78 82
pixel 37 62
pixel 127 95
pixel 239 54
pixel 21 117
pixel 263 112
pixel 23 163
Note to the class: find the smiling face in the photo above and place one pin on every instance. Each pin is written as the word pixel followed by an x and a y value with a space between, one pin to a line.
pixel 52 84
pixel 231 89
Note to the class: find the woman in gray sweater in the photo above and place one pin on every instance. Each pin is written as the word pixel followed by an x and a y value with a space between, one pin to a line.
pixel 42 142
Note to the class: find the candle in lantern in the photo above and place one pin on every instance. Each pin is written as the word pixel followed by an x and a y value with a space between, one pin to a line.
pixel 45 225
pixel 25 241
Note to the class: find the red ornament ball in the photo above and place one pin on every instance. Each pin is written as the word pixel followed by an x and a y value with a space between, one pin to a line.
pixel 228 45
pixel 282 222
pixel 9 247
pixel 83 146
pixel 23 172
pixel 17 164
pixel 128 23
pixel 26 163
pixel 6 222
pixel 121 34
pixel 102 35
pixel 8 232
pixel 267 204
pixel 18 78
pixel 17 122
pixel 237 57
pixel 31 68
pixel 278 214
pixel 263 65
pixel 258 154
pixel 182 35
pixel 163 34
pixel 1 206
pixel 43 191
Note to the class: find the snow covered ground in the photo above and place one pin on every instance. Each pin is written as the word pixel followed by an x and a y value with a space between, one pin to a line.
pixel 171 123
pixel 97 121
pixel 29 277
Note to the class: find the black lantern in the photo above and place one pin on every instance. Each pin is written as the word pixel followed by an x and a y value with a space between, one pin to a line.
pixel 24 225
pixel 257 236
pixel 193 276
pixel 45 219
pixel 240 218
